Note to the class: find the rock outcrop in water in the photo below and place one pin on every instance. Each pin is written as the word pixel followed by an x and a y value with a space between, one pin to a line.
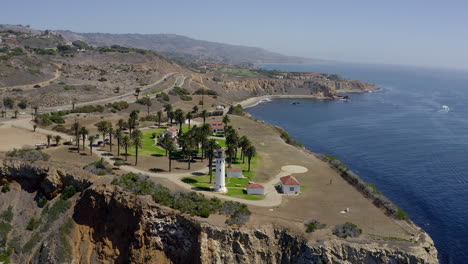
pixel 117 227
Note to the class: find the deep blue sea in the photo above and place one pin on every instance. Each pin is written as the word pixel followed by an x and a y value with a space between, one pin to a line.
pixel 400 138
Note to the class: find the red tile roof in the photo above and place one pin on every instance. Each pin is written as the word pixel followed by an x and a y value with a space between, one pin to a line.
pixel 254 186
pixel 173 130
pixel 289 180
pixel 234 170
pixel 217 125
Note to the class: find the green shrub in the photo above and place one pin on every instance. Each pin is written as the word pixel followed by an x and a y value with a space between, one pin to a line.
pixel 69 87
pixel 68 192
pixel 401 214
pixel 7 215
pixel 33 224
pixel 347 230
pixel 119 163
pixel 192 203
pixel 35 238
pixel 313 225
pixel 6 187
pixel 184 97
pixel 163 96
pixel 28 154
pixel 5 229
pixel 41 200
pixel 5 255
pixel 37 86
pixel 236 110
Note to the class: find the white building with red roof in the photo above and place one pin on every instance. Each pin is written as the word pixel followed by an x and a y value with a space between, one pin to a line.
pixel 255 188
pixel 234 173
pixel 217 127
pixel 172 131
pixel 289 184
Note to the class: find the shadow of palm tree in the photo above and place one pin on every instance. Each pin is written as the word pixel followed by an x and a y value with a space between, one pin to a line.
pixel 157 155
pixel 156 170
pixel 197 174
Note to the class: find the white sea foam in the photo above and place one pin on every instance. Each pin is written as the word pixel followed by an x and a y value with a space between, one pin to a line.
pixel 445 109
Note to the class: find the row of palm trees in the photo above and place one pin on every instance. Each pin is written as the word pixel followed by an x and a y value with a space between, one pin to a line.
pixel 234 143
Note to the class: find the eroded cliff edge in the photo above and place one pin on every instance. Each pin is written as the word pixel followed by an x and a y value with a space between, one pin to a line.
pixel 114 226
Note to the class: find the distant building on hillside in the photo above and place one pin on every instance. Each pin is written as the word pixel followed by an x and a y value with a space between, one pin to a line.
pixel 217 127
pixel 255 188
pixel 289 184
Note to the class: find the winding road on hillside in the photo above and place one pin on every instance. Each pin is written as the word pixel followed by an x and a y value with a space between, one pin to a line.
pixel 128 97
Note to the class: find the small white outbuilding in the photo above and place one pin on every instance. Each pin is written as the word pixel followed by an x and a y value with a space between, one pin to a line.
pixel 235 173
pixel 289 184
pixel 255 188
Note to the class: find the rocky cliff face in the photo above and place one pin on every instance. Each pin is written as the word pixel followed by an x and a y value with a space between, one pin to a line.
pixel 117 227
pixel 45 177
pixel 320 87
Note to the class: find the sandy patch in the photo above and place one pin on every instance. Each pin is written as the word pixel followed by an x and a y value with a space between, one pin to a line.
pixel 16 138
pixel 294 169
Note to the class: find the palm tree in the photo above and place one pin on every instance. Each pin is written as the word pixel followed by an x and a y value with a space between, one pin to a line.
pixel 147 101
pixel 170 147
pixel 226 120
pixel 3 113
pixel 195 109
pixel 16 113
pixel 168 109
pixel 76 128
pixel 137 92
pixel 170 116
pixel 74 101
pixel 91 142
pixel 231 151
pixel 160 113
pixel 211 146
pixel 118 134
pixel 84 132
pixel 204 114
pixel 49 138
pixel 250 152
pixel 180 118
pixel 187 143
pixel 189 117
pixel 34 127
pixel 121 124
pixel 110 131
pixel 36 109
pixel 204 133
pixel 57 139
pixel 103 127
pixel 137 137
pixel 133 119
pixel 244 142
pixel 126 143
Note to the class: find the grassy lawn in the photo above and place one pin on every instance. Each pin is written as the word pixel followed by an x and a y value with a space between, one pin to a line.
pixel 203 183
pixel 149 148
pixel 239 72
pixel 221 142
pixel 148 144
pixel 254 163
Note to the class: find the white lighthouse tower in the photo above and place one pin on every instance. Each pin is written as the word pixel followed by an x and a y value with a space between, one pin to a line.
pixel 220 184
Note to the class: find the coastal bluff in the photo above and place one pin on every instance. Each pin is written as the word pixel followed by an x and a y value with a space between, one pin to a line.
pixel 318 88
pixel 155 234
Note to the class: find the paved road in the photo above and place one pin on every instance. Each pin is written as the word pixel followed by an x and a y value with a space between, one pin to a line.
pixel 130 97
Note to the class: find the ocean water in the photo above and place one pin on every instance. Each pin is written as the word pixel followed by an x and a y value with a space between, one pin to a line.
pixel 401 138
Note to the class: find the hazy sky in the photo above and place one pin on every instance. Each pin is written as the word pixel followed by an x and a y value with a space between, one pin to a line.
pixel 429 33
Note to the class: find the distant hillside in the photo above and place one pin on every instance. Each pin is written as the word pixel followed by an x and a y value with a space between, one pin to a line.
pixel 185 48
